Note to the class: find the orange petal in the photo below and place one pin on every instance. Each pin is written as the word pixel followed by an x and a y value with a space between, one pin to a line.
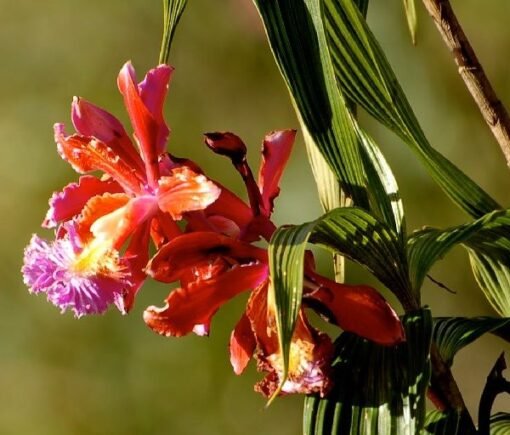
pixel 185 190
pixel 242 345
pixel 86 154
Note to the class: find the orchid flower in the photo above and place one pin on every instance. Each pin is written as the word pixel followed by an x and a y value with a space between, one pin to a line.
pixel 214 267
pixel 142 192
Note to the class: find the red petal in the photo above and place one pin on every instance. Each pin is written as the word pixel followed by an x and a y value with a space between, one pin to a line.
pixel 137 256
pixel 231 207
pixel 149 128
pixel 185 251
pixel 195 305
pixel 90 120
pixel 275 154
pixel 87 154
pixel 359 309
pixel 153 90
pixel 163 229
pixel 185 190
pixel 242 345
pixel 70 201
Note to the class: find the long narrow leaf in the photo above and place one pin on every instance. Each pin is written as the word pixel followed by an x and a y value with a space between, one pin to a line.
pixel 378 390
pixel 366 77
pixel 451 334
pixel 349 231
pixel 425 247
pixel 286 254
pixel 172 12
pixel 297 39
pixel 412 19
pixel 500 424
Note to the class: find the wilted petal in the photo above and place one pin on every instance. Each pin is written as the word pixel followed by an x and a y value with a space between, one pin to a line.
pixel 310 352
pixel 92 121
pixel 191 249
pixel 276 151
pixel 87 154
pixel 242 345
pixel 70 201
pixel 227 144
pixel 185 190
pixel 359 309
pixel 195 304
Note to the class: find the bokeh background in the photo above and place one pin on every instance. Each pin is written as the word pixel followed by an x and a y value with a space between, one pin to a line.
pixel 110 374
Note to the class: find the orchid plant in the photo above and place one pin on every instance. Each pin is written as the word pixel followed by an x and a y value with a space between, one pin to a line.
pixel 139 212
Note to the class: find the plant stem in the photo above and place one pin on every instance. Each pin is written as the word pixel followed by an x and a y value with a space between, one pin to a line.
pixel 445 390
pixel 496 384
pixel 471 71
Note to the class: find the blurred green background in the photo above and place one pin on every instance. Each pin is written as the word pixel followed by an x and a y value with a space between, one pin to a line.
pixel 111 374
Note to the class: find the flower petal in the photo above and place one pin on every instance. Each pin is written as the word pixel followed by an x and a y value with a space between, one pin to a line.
pixel 187 251
pixel 121 223
pixel 310 352
pixel 92 121
pixel 185 190
pixel 195 304
pixel 144 104
pixel 359 309
pixel 227 144
pixel 51 268
pixel 70 201
pixel 137 256
pixel 242 345
pixel 153 90
pixel 276 151
pixel 86 154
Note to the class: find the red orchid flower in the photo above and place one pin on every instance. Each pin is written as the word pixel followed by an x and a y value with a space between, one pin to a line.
pixel 141 190
pixel 213 268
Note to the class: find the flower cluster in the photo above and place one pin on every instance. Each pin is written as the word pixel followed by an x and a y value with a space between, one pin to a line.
pixel 104 226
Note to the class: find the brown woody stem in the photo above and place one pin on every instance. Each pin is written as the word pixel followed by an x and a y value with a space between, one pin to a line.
pixel 471 71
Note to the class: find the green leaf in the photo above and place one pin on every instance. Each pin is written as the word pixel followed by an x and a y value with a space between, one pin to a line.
pixel 427 246
pixel 384 196
pixel 297 39
pixel 362 238
pixel 366 77
pixel 172 12
pixel 349 231
pixel 378 390
pixel 286 256
pixel 451 334
pixel 442 423
pixel 412 19
pixel 488 246
pixel 500 424
pixel 492 273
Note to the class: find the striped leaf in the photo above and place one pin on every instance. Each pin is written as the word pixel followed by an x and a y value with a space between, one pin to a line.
pixel 427 246
pixel 451 334
pixel 366 77
pixel 378 390
pixel 348 231
pixel 297 39
pixel 500 424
